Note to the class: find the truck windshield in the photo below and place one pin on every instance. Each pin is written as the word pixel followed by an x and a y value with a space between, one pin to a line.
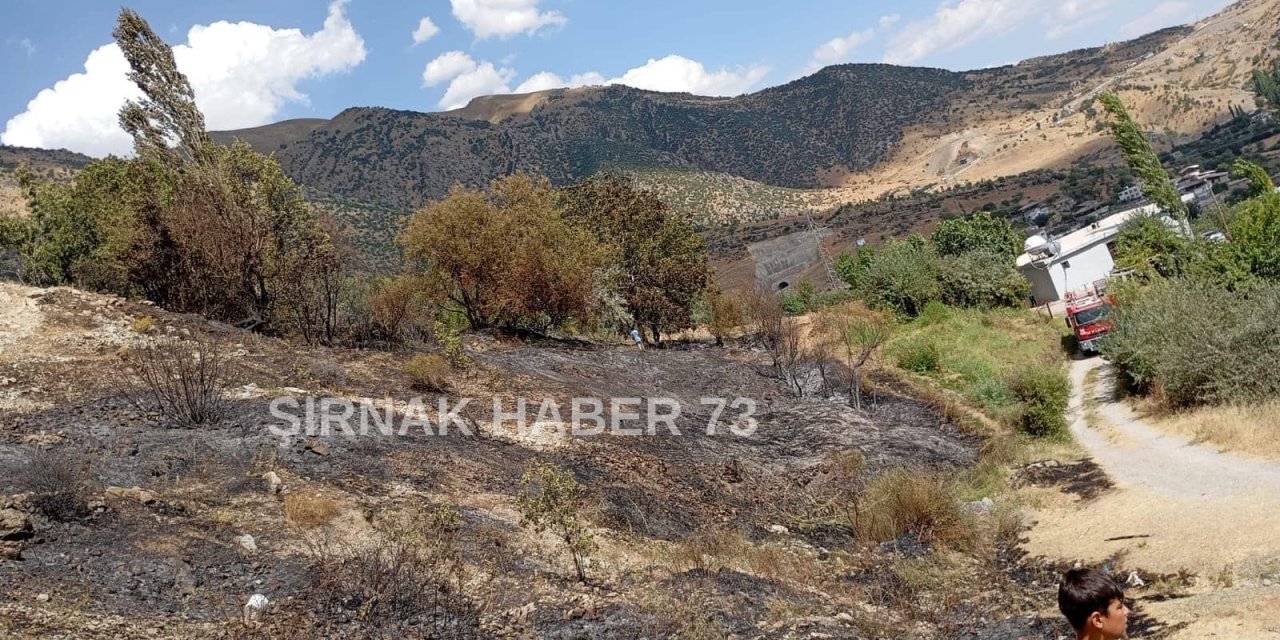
pixel 1090 316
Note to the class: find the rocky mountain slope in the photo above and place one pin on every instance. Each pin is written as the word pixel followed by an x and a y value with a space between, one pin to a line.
pixel 852 131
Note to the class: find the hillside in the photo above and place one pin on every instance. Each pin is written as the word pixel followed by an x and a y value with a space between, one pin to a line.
pixel 840 117
pixel 1041 113
pixel 872 140
pixel 860 130
pixel 44 164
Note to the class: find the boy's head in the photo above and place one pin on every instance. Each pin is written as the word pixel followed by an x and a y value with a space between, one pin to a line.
pixel 1093 603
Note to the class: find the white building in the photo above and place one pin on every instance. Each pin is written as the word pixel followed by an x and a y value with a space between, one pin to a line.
pixel 1131 193
pixel 1078 259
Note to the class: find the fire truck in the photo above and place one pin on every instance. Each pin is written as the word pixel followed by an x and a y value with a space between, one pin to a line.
pixel 1089 315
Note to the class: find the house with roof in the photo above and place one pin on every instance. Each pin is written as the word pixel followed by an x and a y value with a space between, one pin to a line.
pixel 1032 211
pixel 1131 192
pixel 1081 258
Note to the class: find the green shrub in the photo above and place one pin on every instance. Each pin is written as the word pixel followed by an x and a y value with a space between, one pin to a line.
pixel 451 344
pixel 902 276
pixel 920 356
pixel 982 279
pixel 991 392
pixel 934 313
pixel 1196 343
pixel 1044 392
pixel 429 372
pixel 978 233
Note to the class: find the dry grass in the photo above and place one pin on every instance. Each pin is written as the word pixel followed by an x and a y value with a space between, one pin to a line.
pixel 429 372
pixel 309 509
pixel 143 325
pixel 1252 430
pixel 900 502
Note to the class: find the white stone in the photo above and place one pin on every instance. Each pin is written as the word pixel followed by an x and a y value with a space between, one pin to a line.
pixel 274 483
pixel 255 608
pixel 247 543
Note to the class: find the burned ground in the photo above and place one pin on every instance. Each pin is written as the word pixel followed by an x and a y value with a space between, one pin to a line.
pixel 700 535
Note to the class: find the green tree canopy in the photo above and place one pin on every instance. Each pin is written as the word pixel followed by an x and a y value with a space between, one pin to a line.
pixel 1144 162
pixel 979 232
pixel 661 260
pixel 1259 180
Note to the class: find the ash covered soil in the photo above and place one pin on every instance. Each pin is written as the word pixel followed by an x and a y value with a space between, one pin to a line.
pixel 698 535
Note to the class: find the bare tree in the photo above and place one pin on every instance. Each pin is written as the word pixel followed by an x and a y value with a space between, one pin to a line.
pixel 861 335
pixel 793 357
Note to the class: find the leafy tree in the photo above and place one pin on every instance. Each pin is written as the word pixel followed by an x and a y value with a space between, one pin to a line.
pixel 982 279
pixel 167 112
pixel 1148 246
pixel 1144 163
pixel 1259 180
pixel 554 500
pixel 903 275
pixel 979 232
pixel 1266 86
pixel 194 227
pixel 662 262
pixel 506 257
pixel 727 313
pixel 1255 236
pixel 245 234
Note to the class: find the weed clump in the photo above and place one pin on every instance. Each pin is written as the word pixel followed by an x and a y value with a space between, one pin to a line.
pixel 920 356
pixel 903 502
pixel 429 372
pixel 1044 392
pixel 59 483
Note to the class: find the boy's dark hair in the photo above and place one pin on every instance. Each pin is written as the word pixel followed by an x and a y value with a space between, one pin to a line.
pixel 1084 591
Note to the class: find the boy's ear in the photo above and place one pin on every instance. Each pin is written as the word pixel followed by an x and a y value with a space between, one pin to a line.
pixel 1095 619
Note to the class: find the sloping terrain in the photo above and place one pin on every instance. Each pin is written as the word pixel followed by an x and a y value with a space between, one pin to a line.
pixel 864 129
pixel 44 164
pixel 1041 113
pixel 682 518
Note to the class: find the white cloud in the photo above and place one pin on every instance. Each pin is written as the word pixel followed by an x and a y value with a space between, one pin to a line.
pixel 425 31
pixel 504 18
pixel 837 50
pixel 447 66
pixel 27 46
pixel 1072 15
pixel 548 80
pixel 840 50
pixel 467 78
pixel 484 80
pixel 676 73
pixel 242 74
pixel 957 23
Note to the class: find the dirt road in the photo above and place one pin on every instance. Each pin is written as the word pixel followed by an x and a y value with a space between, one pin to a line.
pixel 1136 455
pixel 1176 505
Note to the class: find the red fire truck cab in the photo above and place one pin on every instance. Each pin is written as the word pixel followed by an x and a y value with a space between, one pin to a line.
pixel 1089 316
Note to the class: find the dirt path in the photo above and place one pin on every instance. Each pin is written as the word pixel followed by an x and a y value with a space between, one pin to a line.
pixel 19 316
pixel 1136 455
pixel 1176 505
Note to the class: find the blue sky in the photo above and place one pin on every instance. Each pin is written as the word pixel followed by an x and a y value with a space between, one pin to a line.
pixel 254 61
